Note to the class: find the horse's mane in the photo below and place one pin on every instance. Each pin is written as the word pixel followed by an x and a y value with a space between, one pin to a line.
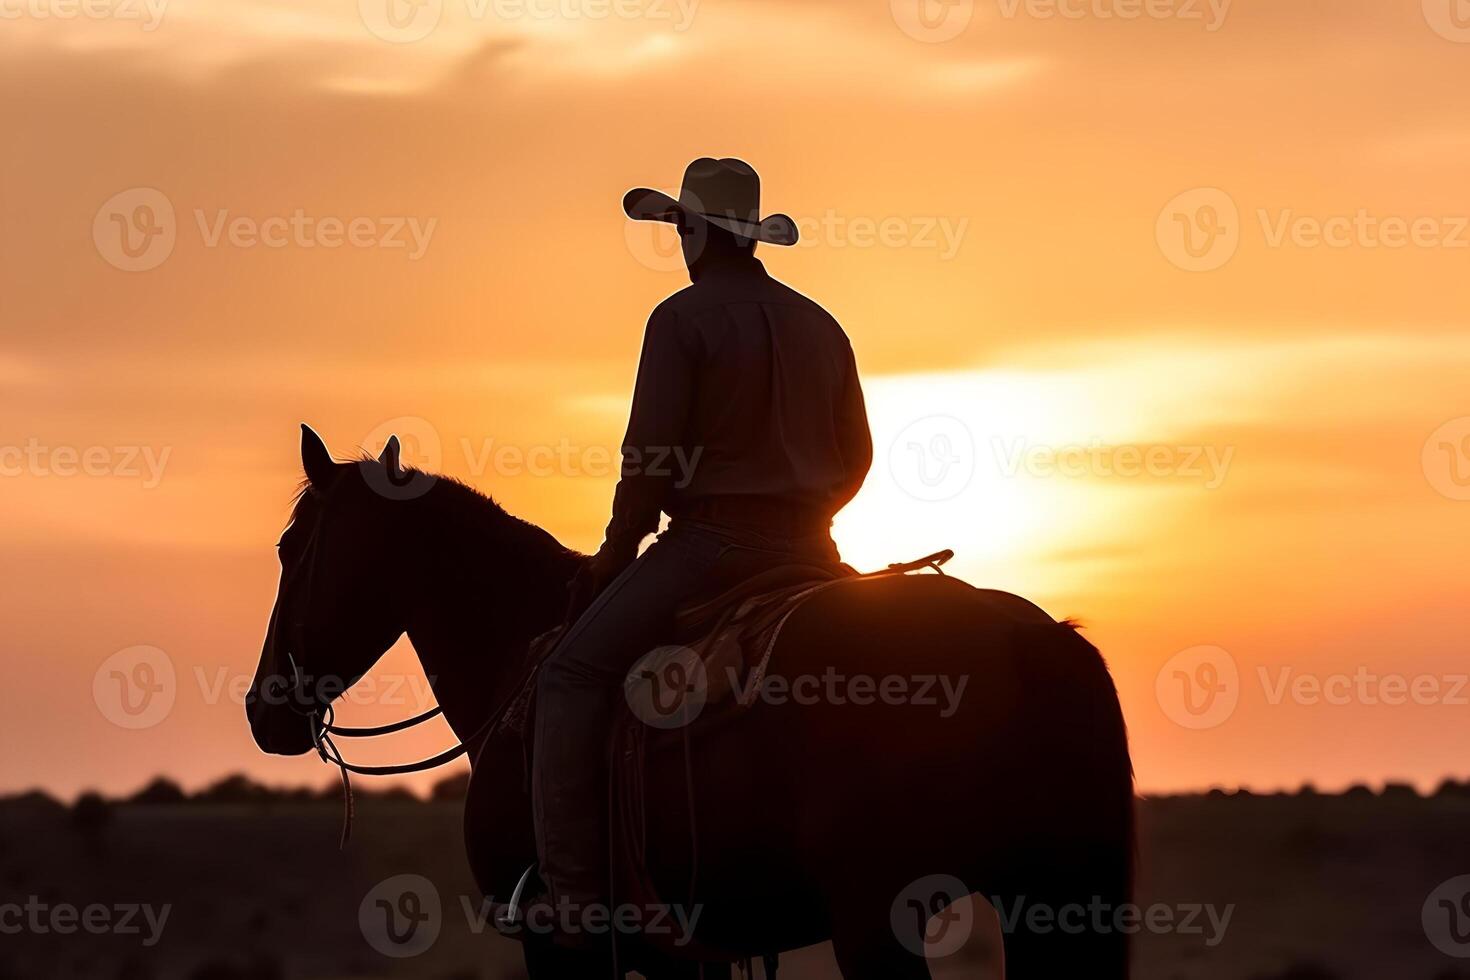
pixel 471 508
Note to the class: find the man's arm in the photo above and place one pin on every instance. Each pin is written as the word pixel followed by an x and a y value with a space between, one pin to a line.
pixel 662 399
pixel 854 438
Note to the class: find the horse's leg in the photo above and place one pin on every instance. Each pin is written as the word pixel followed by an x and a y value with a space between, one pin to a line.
pixel 1066 926
pixel 869 946
pixel 1054 954
pixel 1067 887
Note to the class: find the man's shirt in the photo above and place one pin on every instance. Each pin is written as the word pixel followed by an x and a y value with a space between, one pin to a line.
pixel 745 388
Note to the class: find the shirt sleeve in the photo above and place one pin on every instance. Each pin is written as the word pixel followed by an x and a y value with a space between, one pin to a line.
pixel 662 400
pixel 854 438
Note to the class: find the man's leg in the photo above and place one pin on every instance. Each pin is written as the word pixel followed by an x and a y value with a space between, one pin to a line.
pixel 576 695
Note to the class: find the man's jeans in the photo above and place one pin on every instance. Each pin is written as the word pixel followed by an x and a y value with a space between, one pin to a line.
pixel 583 677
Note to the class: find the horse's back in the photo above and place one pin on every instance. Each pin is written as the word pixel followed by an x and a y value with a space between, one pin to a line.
pixel 905 623
pixel 908 726
pixel 894 696
pixel 900 599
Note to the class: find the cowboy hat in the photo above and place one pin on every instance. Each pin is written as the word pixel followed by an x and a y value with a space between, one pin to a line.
pixel 726 193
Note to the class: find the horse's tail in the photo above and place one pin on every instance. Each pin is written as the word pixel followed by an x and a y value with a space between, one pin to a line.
pixel 1101 715
pixel 1088 821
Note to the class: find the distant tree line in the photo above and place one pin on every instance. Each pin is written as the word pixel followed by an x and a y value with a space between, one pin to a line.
pixel 231 790
pixel 235 789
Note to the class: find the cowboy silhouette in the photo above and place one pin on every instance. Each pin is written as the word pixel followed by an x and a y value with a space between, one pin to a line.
pixel 748 429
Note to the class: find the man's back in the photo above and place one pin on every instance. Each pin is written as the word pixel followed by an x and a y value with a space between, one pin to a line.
pixel 748 390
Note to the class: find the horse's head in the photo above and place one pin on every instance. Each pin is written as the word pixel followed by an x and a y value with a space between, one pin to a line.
pixel 339 606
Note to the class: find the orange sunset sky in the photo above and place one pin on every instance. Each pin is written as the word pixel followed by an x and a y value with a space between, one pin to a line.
pixel 1229 239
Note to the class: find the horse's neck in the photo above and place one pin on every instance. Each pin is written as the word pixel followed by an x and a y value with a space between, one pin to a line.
pixel 485 588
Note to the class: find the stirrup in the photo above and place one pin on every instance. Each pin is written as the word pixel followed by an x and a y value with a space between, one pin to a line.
pixel 510 915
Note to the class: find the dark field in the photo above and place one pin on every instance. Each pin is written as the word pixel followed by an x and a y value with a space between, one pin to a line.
pixel 1321 888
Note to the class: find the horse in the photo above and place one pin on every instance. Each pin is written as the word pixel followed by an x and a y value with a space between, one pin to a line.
pixel 858 820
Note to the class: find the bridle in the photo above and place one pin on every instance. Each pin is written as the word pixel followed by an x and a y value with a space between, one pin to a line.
pixel 320 717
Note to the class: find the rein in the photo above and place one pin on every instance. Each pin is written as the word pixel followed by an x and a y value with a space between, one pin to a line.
pixel 320 717
pixel 322 730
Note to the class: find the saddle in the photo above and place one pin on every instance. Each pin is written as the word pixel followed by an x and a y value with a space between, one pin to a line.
pixel 719 651
pixel 720 644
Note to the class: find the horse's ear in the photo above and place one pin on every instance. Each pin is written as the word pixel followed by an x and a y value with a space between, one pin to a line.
pixel 315 459
pixel 390 456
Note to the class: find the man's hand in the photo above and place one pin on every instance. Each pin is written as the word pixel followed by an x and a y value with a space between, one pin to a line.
pixel 595 575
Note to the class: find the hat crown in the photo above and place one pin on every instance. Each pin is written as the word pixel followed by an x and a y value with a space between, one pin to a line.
pixel 727 187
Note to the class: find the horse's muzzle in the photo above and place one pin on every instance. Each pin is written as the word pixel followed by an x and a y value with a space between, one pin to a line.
pixel 278 729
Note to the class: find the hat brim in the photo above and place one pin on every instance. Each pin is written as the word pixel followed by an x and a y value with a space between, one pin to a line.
pixel 647 204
